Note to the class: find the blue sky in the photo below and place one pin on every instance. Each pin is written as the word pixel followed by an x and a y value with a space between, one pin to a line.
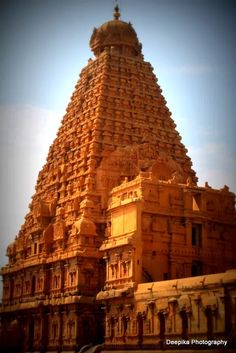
pixel 44 45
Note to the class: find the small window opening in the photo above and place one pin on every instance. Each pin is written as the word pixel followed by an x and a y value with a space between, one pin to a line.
pixel 196 234
pixel 197 202
pixel 196 268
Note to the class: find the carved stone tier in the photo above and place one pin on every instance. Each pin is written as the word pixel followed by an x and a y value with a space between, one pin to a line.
pixel 116 205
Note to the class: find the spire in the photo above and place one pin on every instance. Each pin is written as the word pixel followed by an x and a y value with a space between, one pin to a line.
pixel 116 12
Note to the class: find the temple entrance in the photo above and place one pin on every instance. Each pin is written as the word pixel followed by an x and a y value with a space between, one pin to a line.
pixel 162 325
pixel 87 336
pixel 209 318
pixel 196 268
pixel 184 319
pixel 31 332
pixel 140 328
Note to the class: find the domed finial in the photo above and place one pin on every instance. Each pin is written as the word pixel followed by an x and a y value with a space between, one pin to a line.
pixel 116 13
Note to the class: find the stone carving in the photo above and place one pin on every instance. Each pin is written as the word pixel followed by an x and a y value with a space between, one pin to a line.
pixel 165 168
pixel 117 160
pixel 59 229
pixel 190 182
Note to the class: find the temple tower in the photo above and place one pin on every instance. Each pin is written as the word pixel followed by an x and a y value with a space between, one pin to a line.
pixel 117 130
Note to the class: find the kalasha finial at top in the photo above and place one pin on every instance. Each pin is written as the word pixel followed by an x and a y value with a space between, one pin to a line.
pixel 116 13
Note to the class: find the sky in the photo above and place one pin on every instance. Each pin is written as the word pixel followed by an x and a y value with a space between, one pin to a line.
pixel 44 44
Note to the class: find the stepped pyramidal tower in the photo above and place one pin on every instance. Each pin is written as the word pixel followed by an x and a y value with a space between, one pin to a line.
pixel 120 244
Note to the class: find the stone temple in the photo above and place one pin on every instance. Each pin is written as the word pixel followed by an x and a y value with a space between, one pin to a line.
pixel 120 247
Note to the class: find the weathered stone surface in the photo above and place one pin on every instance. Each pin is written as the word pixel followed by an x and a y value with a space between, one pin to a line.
pixel 189 309
pixel 117 205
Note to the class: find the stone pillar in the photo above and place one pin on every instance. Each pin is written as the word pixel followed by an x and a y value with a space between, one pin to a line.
pixel 60 314
pixel 45 328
